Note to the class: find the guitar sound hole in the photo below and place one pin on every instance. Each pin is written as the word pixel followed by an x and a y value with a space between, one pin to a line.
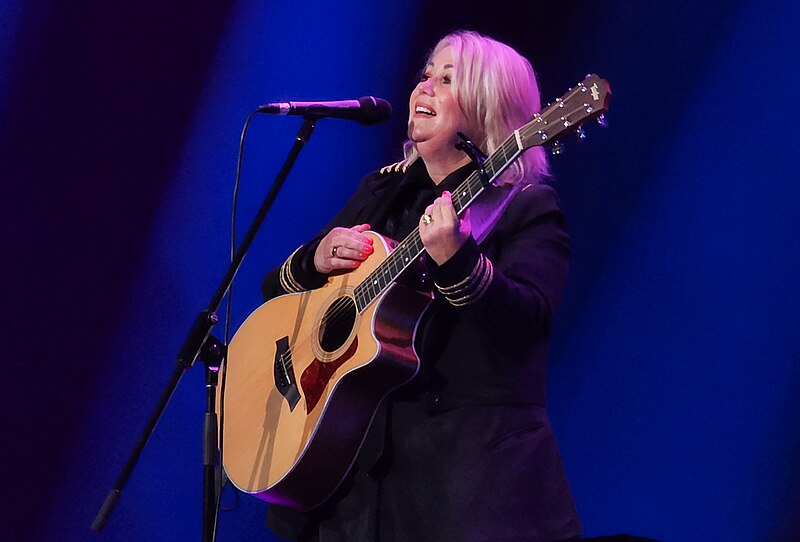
pixel 337 323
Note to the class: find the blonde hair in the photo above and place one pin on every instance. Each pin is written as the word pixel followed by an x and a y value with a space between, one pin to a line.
pixel 496 89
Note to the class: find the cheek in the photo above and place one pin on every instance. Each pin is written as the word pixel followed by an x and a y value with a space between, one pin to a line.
pixel 454 116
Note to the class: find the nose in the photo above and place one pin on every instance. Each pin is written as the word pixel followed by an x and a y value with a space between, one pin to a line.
pixel 426 87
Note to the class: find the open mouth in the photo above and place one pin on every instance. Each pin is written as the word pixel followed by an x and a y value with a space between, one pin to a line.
pixel 421 109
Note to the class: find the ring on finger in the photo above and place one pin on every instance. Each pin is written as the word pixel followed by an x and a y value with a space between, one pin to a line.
pixel 333 251
pixel 427 219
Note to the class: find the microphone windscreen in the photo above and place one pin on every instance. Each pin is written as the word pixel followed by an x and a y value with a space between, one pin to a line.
pixel 374 110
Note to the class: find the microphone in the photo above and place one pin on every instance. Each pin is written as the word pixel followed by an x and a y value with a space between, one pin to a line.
pixel 366 110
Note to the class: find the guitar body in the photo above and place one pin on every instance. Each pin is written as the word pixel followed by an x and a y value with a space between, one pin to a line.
pixel 305 375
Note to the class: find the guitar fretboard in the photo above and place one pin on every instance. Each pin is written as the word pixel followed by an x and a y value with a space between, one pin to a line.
pixel 412 248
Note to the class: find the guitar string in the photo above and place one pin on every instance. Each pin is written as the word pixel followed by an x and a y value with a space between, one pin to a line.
pixel 531 128
pixel 345 308
pixel 473 186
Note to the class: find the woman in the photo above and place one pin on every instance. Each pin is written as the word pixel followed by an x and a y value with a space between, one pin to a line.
pixel 465 451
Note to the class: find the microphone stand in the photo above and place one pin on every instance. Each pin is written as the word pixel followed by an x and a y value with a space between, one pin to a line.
pixel 200 344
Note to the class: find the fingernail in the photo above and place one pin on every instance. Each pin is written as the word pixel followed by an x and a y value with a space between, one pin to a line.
pixel 368 248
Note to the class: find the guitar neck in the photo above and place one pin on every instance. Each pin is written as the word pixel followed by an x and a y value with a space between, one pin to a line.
pixel 411 249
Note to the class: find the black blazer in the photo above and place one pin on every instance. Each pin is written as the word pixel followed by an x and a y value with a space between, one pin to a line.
pixel 494 472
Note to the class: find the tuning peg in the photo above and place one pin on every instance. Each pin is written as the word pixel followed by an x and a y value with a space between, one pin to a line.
pixel 580 133
pixel 601 120
pixel 556 148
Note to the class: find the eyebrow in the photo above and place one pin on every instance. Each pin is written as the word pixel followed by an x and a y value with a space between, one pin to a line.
pixel 430 64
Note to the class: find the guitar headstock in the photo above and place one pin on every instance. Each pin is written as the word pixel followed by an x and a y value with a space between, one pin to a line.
pixel 587 100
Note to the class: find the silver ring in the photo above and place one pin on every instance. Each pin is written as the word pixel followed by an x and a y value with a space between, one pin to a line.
pixel 427 219
pixel 333 252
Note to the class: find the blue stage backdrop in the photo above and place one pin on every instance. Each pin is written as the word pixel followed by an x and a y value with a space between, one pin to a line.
pixel 674 372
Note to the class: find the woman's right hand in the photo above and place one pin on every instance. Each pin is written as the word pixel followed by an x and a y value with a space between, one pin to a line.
pixel 343 248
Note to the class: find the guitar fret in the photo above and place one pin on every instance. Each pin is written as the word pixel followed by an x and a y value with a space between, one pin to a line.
pixel 475 188
pixel 510 147
pixel 489 168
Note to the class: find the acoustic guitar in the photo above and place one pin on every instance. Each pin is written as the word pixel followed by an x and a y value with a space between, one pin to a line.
pixel 306 372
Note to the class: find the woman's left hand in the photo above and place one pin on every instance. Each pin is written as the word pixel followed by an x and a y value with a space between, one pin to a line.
pixel 442 231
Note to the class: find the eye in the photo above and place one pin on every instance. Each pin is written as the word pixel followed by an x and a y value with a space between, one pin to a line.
pixel 446 80
pixel 424 76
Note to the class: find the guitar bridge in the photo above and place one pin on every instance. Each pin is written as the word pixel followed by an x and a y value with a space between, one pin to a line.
pixel 285 381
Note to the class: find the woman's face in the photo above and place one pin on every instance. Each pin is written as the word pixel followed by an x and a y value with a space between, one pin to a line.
pixel 434 114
